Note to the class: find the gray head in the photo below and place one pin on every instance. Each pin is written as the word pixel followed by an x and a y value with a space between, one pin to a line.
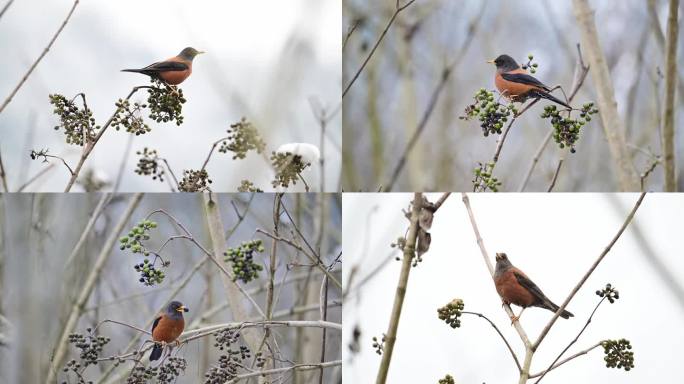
pixel 502 263
pixel 504 63
pixel 175 310
pixel 189 53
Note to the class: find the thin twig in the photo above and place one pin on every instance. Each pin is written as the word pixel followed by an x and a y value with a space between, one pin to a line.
pixel 396 13
pixel 4 9
pixel 35 63
pixel 555 176
pixel 574 356
pixel 419 129
pixel 90 145
pixel 581 73
pixel 589 272
pixel 317 262
pixel 3 175
pixel 551 366
pixel 515 358
pixel 36 177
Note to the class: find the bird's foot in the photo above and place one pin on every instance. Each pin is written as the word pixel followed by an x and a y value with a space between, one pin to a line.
pixel 514 319
pixel 178 343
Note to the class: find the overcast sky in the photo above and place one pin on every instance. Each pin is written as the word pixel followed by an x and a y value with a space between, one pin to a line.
pixel 553 239
pixel 265 60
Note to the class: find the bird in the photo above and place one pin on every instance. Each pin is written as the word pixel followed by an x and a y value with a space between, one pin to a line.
pixel 167 327
pixel 174 70
pixel 515 287
pixel 516 85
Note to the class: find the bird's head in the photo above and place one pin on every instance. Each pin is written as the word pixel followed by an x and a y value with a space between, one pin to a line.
pixel 176 309
pixel 504 63
pixel 189 53
pixel 502 262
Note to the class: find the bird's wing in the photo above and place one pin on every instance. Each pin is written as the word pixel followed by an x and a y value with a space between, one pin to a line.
pixel 524 78
pixel 166 66
pixel 529 285
pixel 156 322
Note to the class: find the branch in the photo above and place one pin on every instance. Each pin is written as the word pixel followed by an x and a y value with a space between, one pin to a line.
pixel 589 272
pixel 613 126
pixel 515 358
pixel 296 367
pixel 36 177
pixel 88 146
pixel 551 366
pixel 576 355
pixel 88 285
pixel 317 262
pixel 396 13
pixel 487 260
pixel 409 254
pixel 3 175
pixel 35 63
pixel 669 111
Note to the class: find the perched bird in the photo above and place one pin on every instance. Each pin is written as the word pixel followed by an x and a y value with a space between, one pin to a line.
pixel 167 327
pixel 173 70
pixel 515 287
pixel 515 84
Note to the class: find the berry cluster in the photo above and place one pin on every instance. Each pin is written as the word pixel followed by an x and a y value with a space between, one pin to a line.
pixel 149 164
pixel 566 129
pixel 149 275
pixel 248 186
pixel 78 123
pixel 169 372
pixel 242 260
pixel 136 235
pixel 379 345
pixel 232 359
pixel 130 118
pixel 484 180
pixel 609 293
pixel 446 380
pixel 242 137
pixel 451 313
pixel 165 102
pixel 618 354
pixel 491 114
pixel 90 345
pixel 142 375
pixel 288 168
pixel 194 181
pixel 530 65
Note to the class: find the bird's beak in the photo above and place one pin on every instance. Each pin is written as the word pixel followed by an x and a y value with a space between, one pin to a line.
pixel 491 61
pixel 201 52
pixel 182 308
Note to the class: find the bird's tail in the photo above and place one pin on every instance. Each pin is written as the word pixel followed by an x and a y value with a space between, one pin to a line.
pixel 553 308
pixel 156 352
pixel 133 70
pixel 548 96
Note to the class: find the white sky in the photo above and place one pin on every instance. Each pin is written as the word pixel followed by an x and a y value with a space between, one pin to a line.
pixel 552 238
pixel 265 59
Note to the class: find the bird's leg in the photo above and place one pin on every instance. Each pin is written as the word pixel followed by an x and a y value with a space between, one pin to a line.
pixel 516 318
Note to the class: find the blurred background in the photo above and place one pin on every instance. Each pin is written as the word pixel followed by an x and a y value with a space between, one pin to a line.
pixel 41 277
pixel 275 63
pixel 554 239
pixel 385 104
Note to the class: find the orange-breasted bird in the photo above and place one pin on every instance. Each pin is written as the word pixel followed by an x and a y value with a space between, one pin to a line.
pixel 173 70
pixel 515 287
pixel 516 85
pixel 167 327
